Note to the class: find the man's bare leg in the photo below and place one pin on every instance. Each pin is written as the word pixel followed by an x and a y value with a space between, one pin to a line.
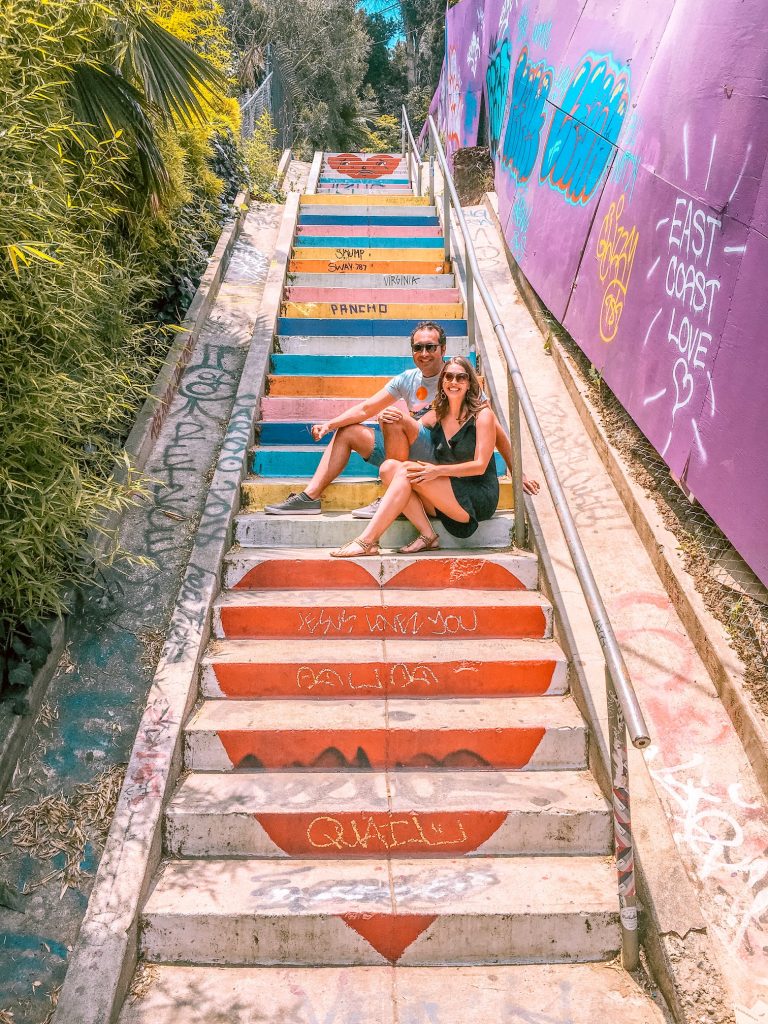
pixel 355 438
pixel 398 437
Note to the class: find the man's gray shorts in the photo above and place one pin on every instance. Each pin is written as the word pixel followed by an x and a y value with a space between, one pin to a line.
pixel 421 450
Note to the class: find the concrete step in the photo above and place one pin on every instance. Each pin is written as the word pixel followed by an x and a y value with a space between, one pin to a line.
pixel 537 733
pixel 364 204
pixel 369 328
pixel 331 530
pixel 438 282
pixel 405 240
pixel 413 912
pixel 419 204
pixel 369 188
pixel 534 993
pixel 295 386
pixel 400 814
pixel 341 496
pixel 389 614
pixel 258 568
pixel 424 255
pixel 301 461
pixel 382 264
pixel 331 178
pixel 323 364
pixel 347 293
pixel 383 310
pixel 417 217
pixel 367 668
pixel 349 345
pixel 368 230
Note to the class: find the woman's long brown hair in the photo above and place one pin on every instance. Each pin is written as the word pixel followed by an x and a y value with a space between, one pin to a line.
pixel 473 402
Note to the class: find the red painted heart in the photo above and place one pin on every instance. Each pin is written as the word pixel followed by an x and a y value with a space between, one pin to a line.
pixel 354 166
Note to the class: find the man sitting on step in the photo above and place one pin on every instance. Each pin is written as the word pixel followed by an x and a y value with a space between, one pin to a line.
pixel 398 435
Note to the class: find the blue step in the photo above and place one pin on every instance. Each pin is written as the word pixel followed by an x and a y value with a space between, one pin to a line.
pixel 320 365
pixel 347 180
pixel 294 432
pixel 291 462
pixel 303 461
pixel 374 219
pixel 356 242
pixel 314 326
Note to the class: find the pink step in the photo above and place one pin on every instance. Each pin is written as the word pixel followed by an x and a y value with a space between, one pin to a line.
pixel 346 294
pixel 372 230
pixel 315 410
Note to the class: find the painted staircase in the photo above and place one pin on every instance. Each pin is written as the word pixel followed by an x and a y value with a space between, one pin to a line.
pixel 387 809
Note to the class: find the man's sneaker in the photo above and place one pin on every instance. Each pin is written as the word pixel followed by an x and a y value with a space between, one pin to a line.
pixel 295 505
pixel 367 511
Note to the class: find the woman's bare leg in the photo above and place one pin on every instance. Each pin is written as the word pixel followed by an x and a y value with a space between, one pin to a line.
pixel 439 494
pixel 397 497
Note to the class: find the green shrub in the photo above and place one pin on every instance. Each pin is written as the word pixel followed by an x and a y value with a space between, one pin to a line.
pixel 261 159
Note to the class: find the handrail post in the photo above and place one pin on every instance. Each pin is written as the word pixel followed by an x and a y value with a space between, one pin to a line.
pixel 446 219
pixel 402 132
pixel 517 464
pixel 431 169
pixel 470 310
pixel 622 829
pixel 419 169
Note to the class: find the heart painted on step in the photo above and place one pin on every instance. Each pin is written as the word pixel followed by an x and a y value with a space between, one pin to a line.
pixel 389 935
pixel 355 166
pixel 683 382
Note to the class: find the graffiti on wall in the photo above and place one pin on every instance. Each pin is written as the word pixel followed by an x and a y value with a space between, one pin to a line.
pixel 453 127
pixel 616 248
pixel 497 81
pixel 530 89
pixel 584 131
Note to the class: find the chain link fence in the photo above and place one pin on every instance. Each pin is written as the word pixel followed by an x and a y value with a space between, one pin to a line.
pixel 274 97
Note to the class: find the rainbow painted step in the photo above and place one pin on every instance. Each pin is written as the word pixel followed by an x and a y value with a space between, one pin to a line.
pixel 353 246
pixel 323 365
pixel 419 282
pixel 484 814
pixel 417 219
pixel 362 328
pixel 388 614
pixel 365 201
pixel 348 345
pixel 341 496
pixel 324 669
pixel 380 265
pixel 301 461
pixel 538 733
pixel 382 310
pixel 343 292
pixel 368 230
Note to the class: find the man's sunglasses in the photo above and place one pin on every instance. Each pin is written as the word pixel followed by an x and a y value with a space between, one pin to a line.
pixel 458 378
pixel 431 347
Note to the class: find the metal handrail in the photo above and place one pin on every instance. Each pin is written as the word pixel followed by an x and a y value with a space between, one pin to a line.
pixel 624 712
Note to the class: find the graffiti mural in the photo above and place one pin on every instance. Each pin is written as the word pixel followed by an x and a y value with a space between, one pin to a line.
pixel 583 133
pixel 646 164
pixel 530 89
pixel 497 81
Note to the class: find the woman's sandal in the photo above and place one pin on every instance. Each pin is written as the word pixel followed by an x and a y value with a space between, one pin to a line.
pixel 357 548
pixel 424 542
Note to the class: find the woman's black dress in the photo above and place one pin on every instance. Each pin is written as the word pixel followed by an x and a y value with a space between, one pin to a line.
pixel 478 495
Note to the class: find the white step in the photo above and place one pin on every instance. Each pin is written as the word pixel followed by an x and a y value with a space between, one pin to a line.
pixel 415 912
pixel 329 530
pixel 530 994
pixel 537 733
pixel 339 345
pixel 490 570
pixel 321 814
pixel 420 281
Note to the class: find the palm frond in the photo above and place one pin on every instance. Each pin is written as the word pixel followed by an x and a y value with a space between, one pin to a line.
pixel 176 81
pixel 102 98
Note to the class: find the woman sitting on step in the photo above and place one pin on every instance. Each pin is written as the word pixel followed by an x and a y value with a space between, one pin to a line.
pixel 460 489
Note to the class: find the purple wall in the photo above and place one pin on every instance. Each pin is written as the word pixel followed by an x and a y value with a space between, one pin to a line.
pixel 630 141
